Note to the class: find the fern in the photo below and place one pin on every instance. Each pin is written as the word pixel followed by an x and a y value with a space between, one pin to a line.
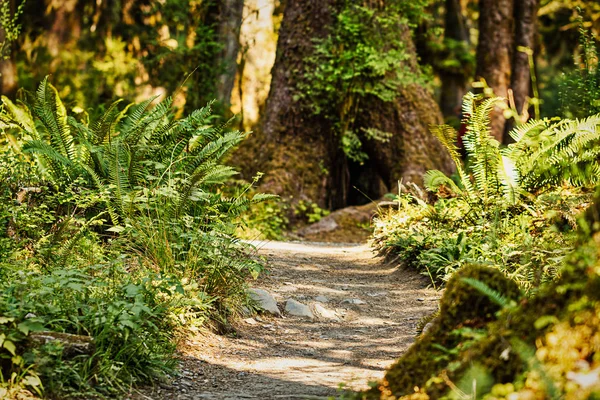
pixel 434 179
pixel 545 152
pixel 447 136
pixel 495 296
pixel 120 152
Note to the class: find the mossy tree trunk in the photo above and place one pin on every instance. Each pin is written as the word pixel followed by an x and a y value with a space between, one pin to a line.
pixel 301 152
pixel 299 155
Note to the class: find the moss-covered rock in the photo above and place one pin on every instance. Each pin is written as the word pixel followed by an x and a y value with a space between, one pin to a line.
pixel 466 305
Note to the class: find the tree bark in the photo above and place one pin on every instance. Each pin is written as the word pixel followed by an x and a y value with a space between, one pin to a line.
pixel 525 32
pixel 494 52
pixel 300 151
pixel 296 144
pixel 454 84
pixel 412 150
pixel 230 22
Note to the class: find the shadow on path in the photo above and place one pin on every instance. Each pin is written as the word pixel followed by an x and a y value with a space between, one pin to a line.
pixel 294 358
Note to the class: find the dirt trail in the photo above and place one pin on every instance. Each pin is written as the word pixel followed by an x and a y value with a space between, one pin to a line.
pixel 295 358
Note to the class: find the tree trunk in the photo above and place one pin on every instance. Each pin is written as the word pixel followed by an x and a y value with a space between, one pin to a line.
pixel 412 150
pixel 494 52
pixel 297 144
pixel 8 68
pixel 454 84
pixel 230 21
pixel 66 27
pixel 301 152
pixel 525 31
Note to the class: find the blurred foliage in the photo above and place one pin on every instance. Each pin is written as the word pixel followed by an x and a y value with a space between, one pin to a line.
pixel 11 28
pixel 98 52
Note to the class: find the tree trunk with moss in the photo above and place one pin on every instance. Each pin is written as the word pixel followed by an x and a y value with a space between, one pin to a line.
pixel 300 151
pixel 494 52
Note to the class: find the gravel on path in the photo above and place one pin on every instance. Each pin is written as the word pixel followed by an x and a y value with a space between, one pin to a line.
pixel 372 310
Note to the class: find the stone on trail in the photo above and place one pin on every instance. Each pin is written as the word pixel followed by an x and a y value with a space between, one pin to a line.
pixel 264 301
pixel 322 299
pixel 354 301
pixel 298 309
pixel 325 313
pixel 346 225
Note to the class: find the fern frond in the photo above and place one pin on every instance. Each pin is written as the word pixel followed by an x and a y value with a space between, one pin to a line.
pixel 119 161
pixel 63 251
pixel 53 115
pixel 135 114
pixel 495 296
pixel 262 197
pixel 529 128
pixel 20 115
pixel 51 160
pixel 433 179
pixel 508 175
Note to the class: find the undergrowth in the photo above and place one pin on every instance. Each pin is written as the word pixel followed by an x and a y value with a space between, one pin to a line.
pixel 510 207
pixel 115 232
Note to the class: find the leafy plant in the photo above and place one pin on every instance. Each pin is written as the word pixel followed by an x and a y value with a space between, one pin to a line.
pixel 11 29
pixel 309 211
pixel 513 207
pixel 545 154
pixel 580 89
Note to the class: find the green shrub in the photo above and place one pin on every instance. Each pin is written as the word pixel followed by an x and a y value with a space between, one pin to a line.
pixel 488 342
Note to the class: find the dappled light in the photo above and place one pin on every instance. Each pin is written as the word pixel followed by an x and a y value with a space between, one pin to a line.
pixel 300 199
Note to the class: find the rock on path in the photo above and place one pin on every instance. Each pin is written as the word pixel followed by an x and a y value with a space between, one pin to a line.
pixel 295 357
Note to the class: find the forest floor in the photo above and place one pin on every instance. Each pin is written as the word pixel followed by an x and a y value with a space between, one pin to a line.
pixel 299 358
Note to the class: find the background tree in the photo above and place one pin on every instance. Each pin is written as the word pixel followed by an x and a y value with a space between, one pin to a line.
pixel 525 38
pixel 454 77
pixel 494 52
pixel 9 32
pixel 229 22
pixel 347 106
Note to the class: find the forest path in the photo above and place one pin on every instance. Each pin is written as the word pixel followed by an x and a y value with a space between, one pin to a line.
pixel 296 358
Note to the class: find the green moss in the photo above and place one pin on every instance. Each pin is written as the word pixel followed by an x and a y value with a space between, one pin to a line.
pixel 463 304
pixel 463 311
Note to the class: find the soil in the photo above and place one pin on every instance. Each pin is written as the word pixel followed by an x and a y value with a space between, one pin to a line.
pixel 298 358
